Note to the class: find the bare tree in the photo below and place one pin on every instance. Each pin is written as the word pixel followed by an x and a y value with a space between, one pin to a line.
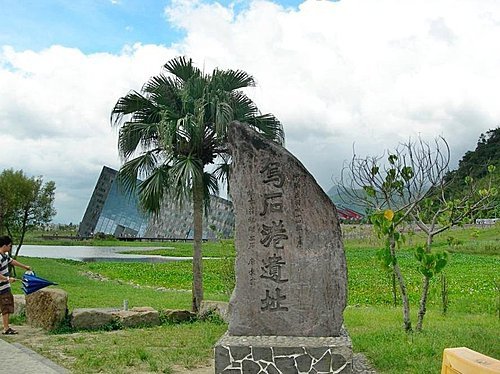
pixel 389 188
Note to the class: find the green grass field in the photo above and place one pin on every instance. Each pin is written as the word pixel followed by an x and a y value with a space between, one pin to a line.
pixel 374 323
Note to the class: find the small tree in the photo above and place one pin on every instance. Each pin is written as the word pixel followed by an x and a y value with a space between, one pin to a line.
pixel 413 187
pixel 391 190
pixel 439 213
pixel 25 203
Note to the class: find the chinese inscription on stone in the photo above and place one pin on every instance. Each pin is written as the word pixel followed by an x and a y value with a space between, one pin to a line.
pixel 290 266
pixel 273 236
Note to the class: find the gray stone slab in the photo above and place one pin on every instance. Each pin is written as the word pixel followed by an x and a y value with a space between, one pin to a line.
pixel 284 354
pixel 289 342
pixel 291 274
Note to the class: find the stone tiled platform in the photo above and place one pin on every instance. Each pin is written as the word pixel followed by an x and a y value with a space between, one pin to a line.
pixel 283 355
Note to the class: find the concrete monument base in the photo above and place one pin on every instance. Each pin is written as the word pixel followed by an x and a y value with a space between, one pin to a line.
pixel 283 354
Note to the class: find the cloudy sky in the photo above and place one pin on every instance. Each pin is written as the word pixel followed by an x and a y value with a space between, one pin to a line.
pixel 336 73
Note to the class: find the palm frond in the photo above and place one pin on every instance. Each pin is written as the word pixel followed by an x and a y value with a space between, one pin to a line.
pixel 182 68
pixel 184 170
pixel 223 116
pixel 269 126
pixel 230 80
pixel 210 187
pixel 136 168
pixel 167 133
pixel 133 136
pixel 193 91
pixel 212 146
pixel 221 172
pixel 184 135
pixel 243 107
pixel 153 189
pixel 164 91
pixel 136 104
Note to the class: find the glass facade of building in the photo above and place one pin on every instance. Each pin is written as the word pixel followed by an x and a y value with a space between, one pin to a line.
pixel 121 215
pixel 173 222
pixel 114 211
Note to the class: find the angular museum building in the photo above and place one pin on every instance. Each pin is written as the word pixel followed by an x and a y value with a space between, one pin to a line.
pixel 114 211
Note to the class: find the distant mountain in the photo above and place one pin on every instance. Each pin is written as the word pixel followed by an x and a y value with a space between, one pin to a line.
pixel 340 199
pixel 474 163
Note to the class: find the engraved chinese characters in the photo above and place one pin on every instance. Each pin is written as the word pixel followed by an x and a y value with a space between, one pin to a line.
pixel 273 235
pixel 290 266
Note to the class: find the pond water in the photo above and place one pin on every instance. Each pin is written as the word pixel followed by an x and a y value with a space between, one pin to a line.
pixel 94 254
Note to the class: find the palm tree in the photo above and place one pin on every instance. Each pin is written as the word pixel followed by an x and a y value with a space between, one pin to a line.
pixel 173 128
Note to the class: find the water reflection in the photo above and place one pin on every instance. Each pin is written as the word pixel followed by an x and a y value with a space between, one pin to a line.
pixel 95 254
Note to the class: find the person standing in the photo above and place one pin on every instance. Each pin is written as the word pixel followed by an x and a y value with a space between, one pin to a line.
pixel 6 297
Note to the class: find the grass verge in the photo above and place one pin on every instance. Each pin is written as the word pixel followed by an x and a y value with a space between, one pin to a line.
pixel 374 332
pixel 161 349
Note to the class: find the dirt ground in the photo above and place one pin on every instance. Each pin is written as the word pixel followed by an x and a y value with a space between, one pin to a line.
pixel 26 334
pixel 202 370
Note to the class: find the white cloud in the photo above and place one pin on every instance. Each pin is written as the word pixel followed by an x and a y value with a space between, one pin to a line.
pixel 54 114
pixel 335 73
pixel 374 73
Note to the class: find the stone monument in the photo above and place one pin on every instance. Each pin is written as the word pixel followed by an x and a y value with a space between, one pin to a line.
pixel 286 311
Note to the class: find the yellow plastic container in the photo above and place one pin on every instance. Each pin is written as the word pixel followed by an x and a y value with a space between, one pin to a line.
pixel 466 361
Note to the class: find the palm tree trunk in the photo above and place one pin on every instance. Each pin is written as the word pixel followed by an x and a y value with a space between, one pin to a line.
pixel 197 242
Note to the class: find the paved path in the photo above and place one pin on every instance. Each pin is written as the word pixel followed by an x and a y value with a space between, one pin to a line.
pixel 16 358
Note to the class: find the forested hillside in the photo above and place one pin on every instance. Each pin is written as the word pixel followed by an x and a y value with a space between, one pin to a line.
pixel 475 163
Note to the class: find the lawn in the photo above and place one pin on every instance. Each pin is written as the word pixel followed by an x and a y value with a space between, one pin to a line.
pixel 374 323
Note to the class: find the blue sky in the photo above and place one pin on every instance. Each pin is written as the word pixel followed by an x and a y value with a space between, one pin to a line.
pixel 345 75
pixel 91 25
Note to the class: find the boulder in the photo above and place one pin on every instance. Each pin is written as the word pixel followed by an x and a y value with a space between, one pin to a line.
pixel 19 305
pixel 219 308
pixel 131 318
pixel 91 319
pixel 176 316
pixel 142 309
pixel 47 308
